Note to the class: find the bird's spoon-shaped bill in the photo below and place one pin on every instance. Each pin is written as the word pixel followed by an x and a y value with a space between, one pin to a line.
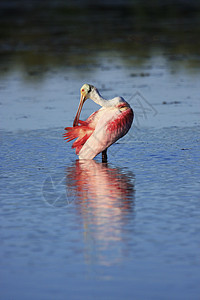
pixel 76 120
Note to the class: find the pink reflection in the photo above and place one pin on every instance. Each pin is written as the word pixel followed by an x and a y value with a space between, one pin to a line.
pixel 105 201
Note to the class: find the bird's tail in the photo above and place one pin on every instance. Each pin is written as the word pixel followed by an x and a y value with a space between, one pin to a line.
pixel 82 132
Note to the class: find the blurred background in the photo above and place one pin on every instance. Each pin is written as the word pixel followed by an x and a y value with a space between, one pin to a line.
pixel 37 35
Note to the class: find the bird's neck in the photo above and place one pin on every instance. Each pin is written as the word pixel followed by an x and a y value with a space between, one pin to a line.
pixel 97 98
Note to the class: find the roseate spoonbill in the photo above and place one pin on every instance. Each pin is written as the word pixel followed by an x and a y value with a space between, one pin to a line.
pixel 103 128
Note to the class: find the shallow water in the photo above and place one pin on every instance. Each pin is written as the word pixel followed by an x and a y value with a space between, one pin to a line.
pixel 129 228
pixel 74 229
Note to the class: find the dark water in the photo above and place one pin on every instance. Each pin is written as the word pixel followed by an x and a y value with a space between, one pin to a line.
pixel 36 36
pixel 82 229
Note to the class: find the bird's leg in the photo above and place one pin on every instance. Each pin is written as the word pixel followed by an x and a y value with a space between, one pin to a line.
pixel 104 156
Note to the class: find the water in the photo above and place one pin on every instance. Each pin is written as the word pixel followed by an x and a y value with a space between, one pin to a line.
pixel 74 229
pixel 127 229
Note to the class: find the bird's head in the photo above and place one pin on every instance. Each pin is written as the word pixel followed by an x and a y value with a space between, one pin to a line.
pixel 85 93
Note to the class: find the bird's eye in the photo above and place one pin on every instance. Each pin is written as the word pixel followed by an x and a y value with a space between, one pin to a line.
pixel 82 90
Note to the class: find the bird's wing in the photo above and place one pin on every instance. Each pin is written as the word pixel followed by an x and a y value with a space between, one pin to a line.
pixel 82 132
pixel 112 124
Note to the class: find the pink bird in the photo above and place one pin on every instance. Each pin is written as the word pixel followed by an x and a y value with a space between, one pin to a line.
pixel 103 128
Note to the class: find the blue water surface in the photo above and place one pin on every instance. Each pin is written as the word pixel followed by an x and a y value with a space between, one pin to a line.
pixel 85 230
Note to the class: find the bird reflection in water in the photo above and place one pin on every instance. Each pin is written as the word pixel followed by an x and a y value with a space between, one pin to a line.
pixel 104 198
